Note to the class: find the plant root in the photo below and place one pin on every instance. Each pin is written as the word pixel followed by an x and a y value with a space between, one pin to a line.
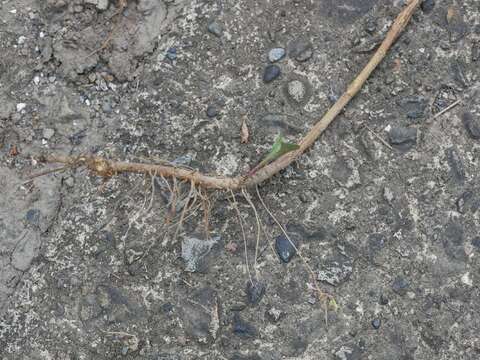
pixel 108 168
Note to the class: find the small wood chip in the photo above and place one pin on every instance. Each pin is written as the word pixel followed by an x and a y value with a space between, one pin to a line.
pixel 244 133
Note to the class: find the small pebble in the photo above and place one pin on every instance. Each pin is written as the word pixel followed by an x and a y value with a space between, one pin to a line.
pixel 21 106
pixel 33 216
pixel 427 6
pixel 255 291
pixel 172 54
pixel 300 50
pixel 472 125
pixel 215 29
pixel 107 107
pixel 284 248
pixel 271 73
pixel 48 133
pixel 476 242
pixel 376 323
pixel 276 54
pixel 212 111
pixel 383 300
pixel 400 285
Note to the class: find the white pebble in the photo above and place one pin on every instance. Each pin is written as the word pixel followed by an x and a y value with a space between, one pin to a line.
pixel 21 106
pixel 21 40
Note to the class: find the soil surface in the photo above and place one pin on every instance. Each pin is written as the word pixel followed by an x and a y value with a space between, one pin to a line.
pixel 385 207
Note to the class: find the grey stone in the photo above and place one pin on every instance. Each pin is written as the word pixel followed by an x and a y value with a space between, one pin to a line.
pixel 276 54
pixel 403 138
pixel 414 106
pixel 255 291
pixel 427 6
pixel 456 165
pixel 195 253
pixel 242 328
pixel 400 285
pixel 48 133
pixel 212 111
pixel 376 323
pixel 300 49
pixel 336 271
pixel 215 29
pixel 270 73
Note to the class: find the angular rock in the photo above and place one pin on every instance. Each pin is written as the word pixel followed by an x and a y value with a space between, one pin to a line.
pixel 255 291
pixel 376 323
pixel 201 316
pixel 195 253
pixel 403 138
pixel 285 249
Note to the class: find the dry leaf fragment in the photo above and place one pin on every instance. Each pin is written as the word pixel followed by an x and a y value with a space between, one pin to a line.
pixel 244 133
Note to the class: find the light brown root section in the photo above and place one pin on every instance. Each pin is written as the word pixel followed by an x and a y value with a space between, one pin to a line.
pixel 107 168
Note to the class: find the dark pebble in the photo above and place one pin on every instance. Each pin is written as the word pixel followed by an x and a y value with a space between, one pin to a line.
pixel 383 300
pixel 403 138
pixel 271 73
pixel 456 165
pixel 284 248
pixel 400 285
pixel 475 51
pixel 242 328
pixel 376 323
pixel 215 29
pixel 172 54
pixel 255 291
pixel 427 6
pixel 300 50
pixel 33 216
pixel 476 242
pixel 212 111
pixel 472 125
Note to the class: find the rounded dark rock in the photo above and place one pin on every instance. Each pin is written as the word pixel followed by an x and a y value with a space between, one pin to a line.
pixel 172 53
pixel 242 328
pixel 285 249
pixel 400 285
pixel 427 5
pixel 270 73
pixel 376 323
pixel 212 111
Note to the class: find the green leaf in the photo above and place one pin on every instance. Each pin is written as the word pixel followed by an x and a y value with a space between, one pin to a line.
pixel 279 148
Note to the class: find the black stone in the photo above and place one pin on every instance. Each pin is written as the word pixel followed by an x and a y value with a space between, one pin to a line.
pixel 456 165
pixel 400 285
pixel 300 49
pixel 212 111
pixel 285 249
pixel 427 6
pixel 475 51
pixel 242 328
pixel 403 138
pixel 472 125
pixel 271 73
pixel 172 53
pixel 255 291
pixel 463 201
pixel 376 323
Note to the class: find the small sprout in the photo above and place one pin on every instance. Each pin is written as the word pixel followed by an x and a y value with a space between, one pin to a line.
pixel 279 148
